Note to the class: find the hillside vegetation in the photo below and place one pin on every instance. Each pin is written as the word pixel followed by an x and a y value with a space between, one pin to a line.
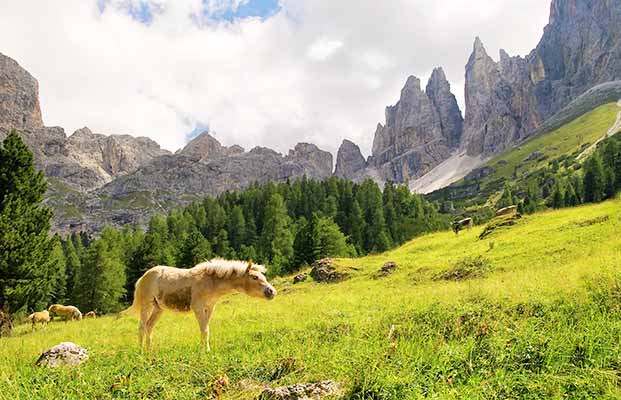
pixel 520 166
pixel 532 311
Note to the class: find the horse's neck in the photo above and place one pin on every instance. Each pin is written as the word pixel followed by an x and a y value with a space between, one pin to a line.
pixel 223 287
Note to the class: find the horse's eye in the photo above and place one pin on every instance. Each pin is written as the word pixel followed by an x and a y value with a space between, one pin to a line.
pixel 255 277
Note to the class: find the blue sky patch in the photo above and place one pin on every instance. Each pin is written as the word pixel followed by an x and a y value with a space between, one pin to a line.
pixel 253 8
pixel 143 12
pixel 198 129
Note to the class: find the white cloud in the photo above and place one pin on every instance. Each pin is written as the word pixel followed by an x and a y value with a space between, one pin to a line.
pixel 322 49
pixel 254 81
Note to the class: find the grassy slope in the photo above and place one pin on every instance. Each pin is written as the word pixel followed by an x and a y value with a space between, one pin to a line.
pixel 563 142
pixel 530 329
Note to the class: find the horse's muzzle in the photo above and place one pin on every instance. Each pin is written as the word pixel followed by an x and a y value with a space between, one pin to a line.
pixel 269 292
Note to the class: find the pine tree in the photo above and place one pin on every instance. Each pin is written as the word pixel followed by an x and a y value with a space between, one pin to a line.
pixel 303 244
pixel 357 226
pixel 101 279
pixel 57 272
pixel 72 265
pixel 276 237
pixel 594 179
pixel 194 250
pixel 236 227
pixel 328 240
pixel 25 246
pixel 571 198
pixel 558 196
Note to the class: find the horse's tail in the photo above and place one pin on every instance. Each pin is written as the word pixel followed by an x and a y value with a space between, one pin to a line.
pixel 134 309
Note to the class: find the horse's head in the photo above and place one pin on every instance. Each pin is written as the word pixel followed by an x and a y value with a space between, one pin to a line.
pixel 255 283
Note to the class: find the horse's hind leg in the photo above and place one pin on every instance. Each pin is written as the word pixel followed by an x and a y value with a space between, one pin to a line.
pixel 145 314
pixel 155 316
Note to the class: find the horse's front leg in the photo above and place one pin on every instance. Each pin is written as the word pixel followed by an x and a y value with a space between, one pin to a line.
pixel 203 313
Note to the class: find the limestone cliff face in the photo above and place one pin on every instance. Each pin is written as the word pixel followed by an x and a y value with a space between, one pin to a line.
pixel 500 104
pixel 507 101
pixel 19 97
pixel 451 121
pixel 420 130
pixel 349 161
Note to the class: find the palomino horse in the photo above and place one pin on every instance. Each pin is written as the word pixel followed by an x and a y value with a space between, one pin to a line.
pixel 196 289
pixel 39 317
pixel 67 312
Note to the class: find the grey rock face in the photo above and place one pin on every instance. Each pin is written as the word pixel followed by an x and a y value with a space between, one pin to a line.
pixel 205 146
pixel 63 354
pixel 507 101
pixel 413 140
pixel 19 97
pixel 451 121
pixel 308 159
pixel 349 161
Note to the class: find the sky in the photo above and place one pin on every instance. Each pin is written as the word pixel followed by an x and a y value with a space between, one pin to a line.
pixel 253 72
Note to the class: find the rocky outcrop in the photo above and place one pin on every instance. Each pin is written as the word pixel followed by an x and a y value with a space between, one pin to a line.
pixel 349 161
pixel 507 101
pixel 413 141
pixel 451 121
pixel 499 102
pixel 19 97
pixel 205 146
pixel 580 48
pixel 307 159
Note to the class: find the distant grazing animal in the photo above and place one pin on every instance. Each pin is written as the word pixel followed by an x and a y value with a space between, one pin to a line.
pixel 67 312
pixel 511 210
pixel 90 314
pixel 39 317
pixel 464 223
pixel 196 289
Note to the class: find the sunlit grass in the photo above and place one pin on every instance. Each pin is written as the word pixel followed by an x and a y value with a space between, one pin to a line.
pixel 529 329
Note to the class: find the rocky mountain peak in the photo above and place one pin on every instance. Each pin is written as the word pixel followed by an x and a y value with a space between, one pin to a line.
pixel 19 97
pixel 308 153
pixel 203 146
pixel 349 161
pixel 451 121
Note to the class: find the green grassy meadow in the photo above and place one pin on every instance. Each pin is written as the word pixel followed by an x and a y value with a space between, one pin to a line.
pixel 542 319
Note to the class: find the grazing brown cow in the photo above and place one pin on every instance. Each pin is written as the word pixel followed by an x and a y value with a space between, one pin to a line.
pixel 196 289
pixel 40 317
pixel 464 223
pixel 511 210
pixel 90 314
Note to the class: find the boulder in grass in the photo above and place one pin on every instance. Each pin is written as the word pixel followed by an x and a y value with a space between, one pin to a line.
pixel 63 354
pixel 299 278
pixel 301 391
pixel 324 271
pixel 389 268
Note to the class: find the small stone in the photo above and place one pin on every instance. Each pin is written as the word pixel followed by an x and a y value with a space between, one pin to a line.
pixel 301 391
pixel 299 278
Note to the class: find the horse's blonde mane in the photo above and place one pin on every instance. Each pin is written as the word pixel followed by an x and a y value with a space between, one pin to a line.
pixel 222 268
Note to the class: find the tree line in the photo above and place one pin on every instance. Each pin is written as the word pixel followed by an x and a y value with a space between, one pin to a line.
pixel 282 225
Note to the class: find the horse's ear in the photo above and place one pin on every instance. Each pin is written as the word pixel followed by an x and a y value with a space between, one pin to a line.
pixel 249 267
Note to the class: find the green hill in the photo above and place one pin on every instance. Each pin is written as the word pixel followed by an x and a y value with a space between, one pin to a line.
pixel 522 165
pixel 532 311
